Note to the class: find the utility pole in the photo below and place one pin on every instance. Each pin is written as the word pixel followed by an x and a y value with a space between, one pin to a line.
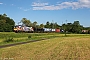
pixel 53 24
pixel 62 25
pixel 65 29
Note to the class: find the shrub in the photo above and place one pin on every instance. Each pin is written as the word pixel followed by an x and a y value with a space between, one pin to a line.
pixel 29 36
pixel 9 39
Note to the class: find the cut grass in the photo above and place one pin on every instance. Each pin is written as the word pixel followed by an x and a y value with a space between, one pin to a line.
pixel 59 48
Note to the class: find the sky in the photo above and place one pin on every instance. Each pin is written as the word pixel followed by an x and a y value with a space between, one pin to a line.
pixel 48 10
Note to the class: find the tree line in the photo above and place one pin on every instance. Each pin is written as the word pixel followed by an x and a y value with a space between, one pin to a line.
pixel 7 24
pixel 27 22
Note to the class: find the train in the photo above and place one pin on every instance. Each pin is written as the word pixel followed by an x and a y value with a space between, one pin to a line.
pixel 20 28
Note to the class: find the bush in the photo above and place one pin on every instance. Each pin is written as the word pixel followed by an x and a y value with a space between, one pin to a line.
pixel 10 39
pixel 29 37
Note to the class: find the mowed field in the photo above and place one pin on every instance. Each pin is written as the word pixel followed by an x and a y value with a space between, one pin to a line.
pixel 72 47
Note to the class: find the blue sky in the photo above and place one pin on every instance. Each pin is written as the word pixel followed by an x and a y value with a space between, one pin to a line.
pixel 47 10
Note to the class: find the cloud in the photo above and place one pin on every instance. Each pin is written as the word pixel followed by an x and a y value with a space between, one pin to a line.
pixel 1 3
pixel 85 3
pixel 12 4
pixel 21 8
pixel 64 5
pixel 26 9
pixel 39 4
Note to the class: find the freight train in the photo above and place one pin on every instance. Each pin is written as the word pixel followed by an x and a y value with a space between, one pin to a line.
pixel 20 28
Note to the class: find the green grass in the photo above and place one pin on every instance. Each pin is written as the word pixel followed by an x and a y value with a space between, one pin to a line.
pixel 72 47
pixel 22 37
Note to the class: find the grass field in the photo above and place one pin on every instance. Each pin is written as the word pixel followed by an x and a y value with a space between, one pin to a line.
pixel 12 37
pixel 72 47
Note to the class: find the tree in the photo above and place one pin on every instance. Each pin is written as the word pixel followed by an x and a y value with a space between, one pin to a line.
pixel 41 25
pixel 47 24
pixel 51 25
pixel 6 24
pixel 56 25
pixel 26 22
pixel 77 28
pixel 69 27
pixel 5 15
pixel 35 24
pixel 73 27
pixel 76 23
pixel 64 27
pixel 2 24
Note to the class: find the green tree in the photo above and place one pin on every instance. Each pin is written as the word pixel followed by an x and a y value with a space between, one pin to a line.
pixel 51 25
pixel 6 23
pixel 35 24
pixel 5 15
pixel 2 24
pixel 73 27
pixel 77 28
pixel 41 25
pixel 26 22
pixel 69 27
pixel 47 25
pixel 64 27
pixel 56 25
